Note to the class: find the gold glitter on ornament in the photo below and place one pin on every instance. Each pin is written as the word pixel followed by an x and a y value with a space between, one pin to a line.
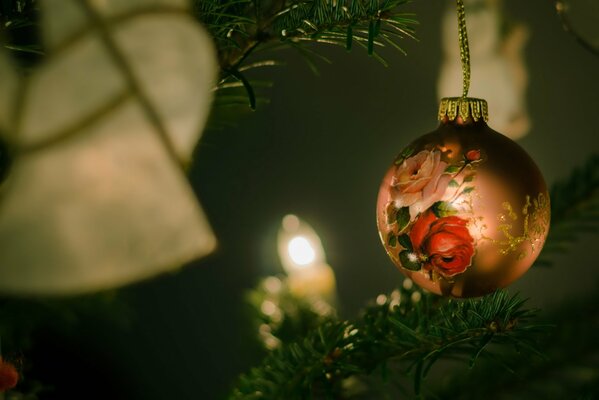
pixel 536 222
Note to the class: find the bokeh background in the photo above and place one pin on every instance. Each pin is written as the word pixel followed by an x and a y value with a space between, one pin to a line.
pixel 318 150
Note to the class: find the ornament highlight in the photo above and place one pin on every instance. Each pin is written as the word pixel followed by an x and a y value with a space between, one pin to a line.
pixel 463 210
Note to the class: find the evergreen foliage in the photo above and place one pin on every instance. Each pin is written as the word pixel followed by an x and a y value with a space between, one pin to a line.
pixel 242 27
pixel 568 370
pixel 413 334
pixel 421 329
pixel 407 331
pixel 574 209
pixel 18 30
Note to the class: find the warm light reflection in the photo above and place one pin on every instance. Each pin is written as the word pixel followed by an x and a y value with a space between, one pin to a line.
pixel 299 245
pixel 304 261
pixel 301 251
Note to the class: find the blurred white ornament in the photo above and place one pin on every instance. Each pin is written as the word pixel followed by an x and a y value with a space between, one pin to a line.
pixel 96 196
pixel 498 70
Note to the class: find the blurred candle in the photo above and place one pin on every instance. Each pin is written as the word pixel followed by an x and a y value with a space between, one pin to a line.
pixel 304 261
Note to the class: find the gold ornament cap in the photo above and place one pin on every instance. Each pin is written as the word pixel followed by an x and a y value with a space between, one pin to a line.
pixel 452 107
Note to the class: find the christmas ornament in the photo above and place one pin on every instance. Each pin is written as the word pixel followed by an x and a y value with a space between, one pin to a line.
pixel 99 134
pixel 463 210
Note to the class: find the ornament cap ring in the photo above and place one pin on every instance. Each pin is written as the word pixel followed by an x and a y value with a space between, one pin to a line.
pixel 452 107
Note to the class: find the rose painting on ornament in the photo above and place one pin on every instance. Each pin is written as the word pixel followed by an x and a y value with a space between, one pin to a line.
pixel 423 191
pixel 449 219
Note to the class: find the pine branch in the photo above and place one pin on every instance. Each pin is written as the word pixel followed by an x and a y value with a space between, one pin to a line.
pixel 344 23
pixel 242 27
pixel 417 332
pixel 282 317
pixel 571 364
pixel 574 209
pixel 421 333
pixel 19 31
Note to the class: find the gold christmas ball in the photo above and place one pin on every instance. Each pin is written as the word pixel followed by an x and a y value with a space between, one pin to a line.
pixel 463 210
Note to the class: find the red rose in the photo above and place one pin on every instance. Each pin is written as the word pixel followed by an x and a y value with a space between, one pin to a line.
pixel 9 377
pixel 444 244
pixel 473 155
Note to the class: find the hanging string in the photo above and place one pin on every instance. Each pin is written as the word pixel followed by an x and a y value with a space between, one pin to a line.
pixel 464 49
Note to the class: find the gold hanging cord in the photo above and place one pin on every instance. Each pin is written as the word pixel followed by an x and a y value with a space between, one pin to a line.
pixel 452 107
pixel 464 49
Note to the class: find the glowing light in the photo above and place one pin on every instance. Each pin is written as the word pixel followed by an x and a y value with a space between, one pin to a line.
pixel 304 261
pixel 416 296
pixel 264 329
pixel 268 308
pixel 291 222
pixel 272 284
pixel 321 307
pixel 272 342
pixel 301 251
pixel 395 299
pixel 299 246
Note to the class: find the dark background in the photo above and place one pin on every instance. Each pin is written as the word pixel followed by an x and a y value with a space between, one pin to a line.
pixel 318 150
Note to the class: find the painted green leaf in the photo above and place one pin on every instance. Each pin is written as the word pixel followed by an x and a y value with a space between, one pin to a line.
pixel 407 152
pixel 405 241
pixel 468 189
pixel 469 178
pixel 403 218
pixel 409 261
pixel 392 240
pixel 443 209
pixel 453 183
pixel 391 214
pixel 452 169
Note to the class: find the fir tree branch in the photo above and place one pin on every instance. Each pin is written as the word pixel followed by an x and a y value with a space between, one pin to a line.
pixel 574 209
pixel 19 31
pixel 421 333
pixel 417 332
pixel 282 317
pixel 242 27
pixel 571 364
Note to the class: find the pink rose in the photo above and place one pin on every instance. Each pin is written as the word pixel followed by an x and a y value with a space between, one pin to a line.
pixel 419 181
